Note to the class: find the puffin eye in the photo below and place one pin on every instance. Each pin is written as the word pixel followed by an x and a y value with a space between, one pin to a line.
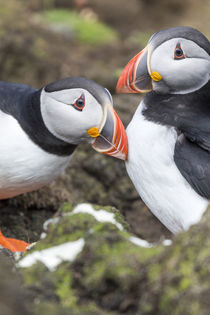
pixel 178 52
pixel 79 104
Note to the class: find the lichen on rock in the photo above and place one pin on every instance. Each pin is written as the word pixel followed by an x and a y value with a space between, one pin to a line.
pixel 112 275
pixel 107 259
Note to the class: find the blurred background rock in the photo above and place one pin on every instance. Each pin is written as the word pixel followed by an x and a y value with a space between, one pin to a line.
pixel 45 40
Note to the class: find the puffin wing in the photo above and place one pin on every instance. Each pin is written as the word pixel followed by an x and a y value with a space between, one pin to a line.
pixel 193 161
pixel 12 97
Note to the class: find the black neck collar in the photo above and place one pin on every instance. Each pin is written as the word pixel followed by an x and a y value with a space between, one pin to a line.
pixel 179 110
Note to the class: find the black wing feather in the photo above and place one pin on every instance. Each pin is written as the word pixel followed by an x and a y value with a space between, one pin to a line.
pixel 194 164
pixel 190 115
pixel 23 103
pixel 13 96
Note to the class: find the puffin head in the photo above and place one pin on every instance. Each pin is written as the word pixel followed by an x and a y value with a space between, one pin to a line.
pixel 77 110
pixel 176 60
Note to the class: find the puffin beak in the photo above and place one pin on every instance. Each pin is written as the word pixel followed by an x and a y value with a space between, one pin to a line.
pixel 111 138
pixel 136 78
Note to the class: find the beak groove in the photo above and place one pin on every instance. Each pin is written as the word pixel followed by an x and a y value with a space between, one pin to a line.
pixel 120 143
pixel 112 139
pixel 135 77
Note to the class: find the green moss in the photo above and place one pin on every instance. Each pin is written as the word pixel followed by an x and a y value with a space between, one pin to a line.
pixel 106 208
pixel 33 274
pixel 185 283
pixel 147 253
pixel 90 31
pixel 67 207
pixel 186 272
pixel 154 272
pixel 166 298
pixel 68 229
pixel 115 257
pixel 62 278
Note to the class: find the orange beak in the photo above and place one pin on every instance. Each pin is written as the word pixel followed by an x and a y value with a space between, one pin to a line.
pixel 135 77
pixel 112 139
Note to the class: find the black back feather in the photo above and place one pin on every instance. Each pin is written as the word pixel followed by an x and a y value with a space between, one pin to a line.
pixel 190 115
pixel 23 103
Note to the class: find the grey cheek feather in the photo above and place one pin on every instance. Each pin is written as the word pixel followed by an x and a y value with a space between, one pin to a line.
pixel 189 75
pixel 187 84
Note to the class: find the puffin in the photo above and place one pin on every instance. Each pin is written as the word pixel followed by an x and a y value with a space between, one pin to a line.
pixel 40 130
pixel 169 134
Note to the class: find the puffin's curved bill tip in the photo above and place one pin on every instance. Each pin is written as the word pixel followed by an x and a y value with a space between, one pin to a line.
pixel 112 139
pixel 135 77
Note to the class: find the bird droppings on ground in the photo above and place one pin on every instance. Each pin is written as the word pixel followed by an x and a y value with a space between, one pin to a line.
pixel 99 214
pixel 52 257
pixel 47 222
pixel 137 241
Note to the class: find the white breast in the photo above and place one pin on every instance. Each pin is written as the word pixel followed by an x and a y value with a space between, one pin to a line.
pixel 23 165
pixel 153 171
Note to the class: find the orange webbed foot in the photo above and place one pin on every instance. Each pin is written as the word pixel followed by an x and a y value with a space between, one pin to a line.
pixel 13 244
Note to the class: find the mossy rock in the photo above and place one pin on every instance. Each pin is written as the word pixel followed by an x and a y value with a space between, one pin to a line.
pixel 107 263
pixel 112 274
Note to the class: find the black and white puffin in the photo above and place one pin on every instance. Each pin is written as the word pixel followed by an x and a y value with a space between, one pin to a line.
pixel 169 135
pixel 40 130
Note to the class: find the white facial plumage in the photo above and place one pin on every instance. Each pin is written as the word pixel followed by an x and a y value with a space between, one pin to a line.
pixel 182 75
pixel 65 121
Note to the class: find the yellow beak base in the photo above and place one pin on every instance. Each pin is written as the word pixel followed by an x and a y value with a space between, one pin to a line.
pixel 156 76
pixel 93 132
